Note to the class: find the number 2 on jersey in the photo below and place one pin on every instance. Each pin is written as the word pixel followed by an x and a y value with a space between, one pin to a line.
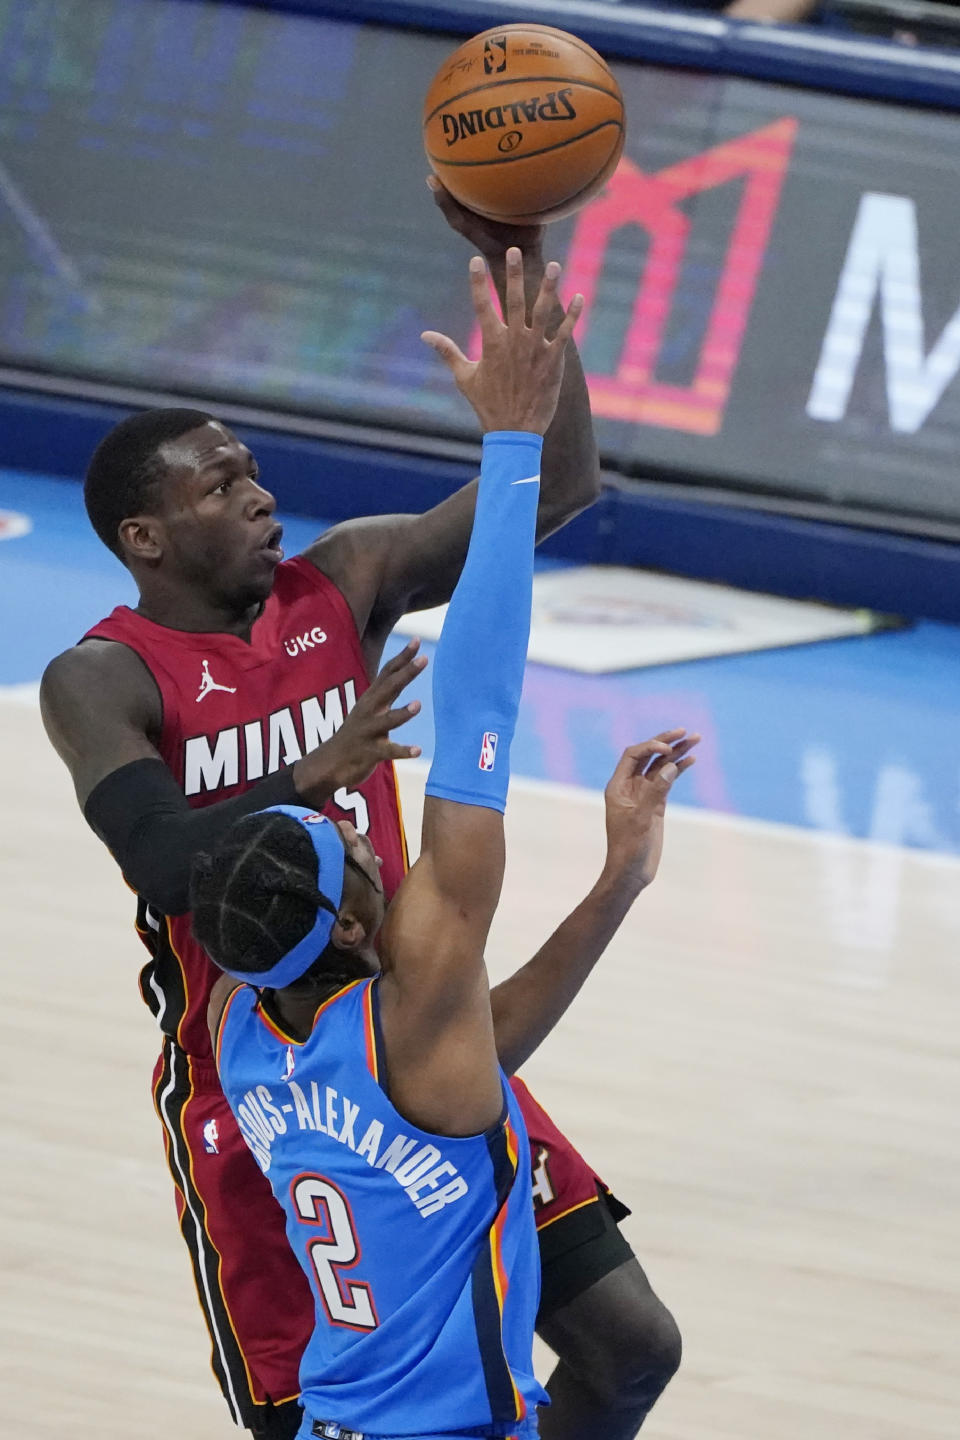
pixel 319 1202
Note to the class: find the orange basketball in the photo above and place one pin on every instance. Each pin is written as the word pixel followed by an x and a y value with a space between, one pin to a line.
pixel 523 124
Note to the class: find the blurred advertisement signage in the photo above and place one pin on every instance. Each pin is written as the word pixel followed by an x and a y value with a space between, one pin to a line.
pixel 228 202
pixel 654 203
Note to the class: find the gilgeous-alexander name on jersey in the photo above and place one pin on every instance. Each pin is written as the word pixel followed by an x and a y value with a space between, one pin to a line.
pixel 420 1249
pixel 430 1180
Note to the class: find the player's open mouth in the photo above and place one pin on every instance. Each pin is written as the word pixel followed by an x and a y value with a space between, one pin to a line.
pixel 271 547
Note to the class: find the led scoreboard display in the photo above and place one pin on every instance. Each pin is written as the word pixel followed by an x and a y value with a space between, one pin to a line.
pixel 228 202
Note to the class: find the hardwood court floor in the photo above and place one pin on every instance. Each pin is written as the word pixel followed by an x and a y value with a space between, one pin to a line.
pixel 765 1067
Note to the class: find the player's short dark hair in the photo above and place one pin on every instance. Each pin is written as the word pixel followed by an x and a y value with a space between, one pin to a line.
pixel 124 475
pixel 255 896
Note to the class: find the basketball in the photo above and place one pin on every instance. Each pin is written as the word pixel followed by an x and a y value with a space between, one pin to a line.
pixel 523 124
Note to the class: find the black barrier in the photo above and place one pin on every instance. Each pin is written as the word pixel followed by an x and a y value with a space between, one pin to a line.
pixel 227 202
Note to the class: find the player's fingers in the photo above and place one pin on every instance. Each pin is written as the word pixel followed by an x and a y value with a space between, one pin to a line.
pixel 676 752
pixel 656 764
pixel 635 757
pixel 683 747
pixel 650 748
pixel 391 688
pixel 516 306
pixel 399 672
pixel 481 298
pixel 401 752
pixel 392 718
pixel 665 738
pixel 395 676
pixel 546 302
pixel 669 771
pixel 666 775
pixel 662 745
pixel 402 657
pixel 565 328
pixel 448 350
pixel 444 200
pixel 671 744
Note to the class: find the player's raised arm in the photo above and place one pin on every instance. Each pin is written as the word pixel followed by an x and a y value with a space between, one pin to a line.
pixel 528 1005
pixel 435 1005
pixel 570 470
pixel 389 564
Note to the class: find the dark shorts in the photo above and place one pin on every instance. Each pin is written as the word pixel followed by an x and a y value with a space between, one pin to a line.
pixel 260 1315
pixel 576 1214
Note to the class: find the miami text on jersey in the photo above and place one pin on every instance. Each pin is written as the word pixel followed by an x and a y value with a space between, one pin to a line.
pixel 419 1168
pixel 213 762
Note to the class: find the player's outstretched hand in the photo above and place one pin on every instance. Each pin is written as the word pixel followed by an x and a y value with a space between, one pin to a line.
pixel 636 799
pixel 515 384
pixel 351 755
pixel 491 237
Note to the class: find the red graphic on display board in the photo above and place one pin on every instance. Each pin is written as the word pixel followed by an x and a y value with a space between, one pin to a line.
pixel 632 197
pixel 651 201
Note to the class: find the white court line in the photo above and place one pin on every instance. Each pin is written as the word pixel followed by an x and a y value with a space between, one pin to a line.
pixel 28 694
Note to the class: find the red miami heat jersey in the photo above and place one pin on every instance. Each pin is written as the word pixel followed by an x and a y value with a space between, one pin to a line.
pixel 233 712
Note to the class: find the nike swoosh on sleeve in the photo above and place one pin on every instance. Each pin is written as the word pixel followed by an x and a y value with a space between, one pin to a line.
pixel 530 480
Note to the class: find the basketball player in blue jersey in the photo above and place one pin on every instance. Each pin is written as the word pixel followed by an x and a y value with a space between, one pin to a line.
pixel 368 1082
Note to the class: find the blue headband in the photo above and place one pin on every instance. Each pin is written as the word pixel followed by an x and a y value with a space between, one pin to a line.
pixel 326 841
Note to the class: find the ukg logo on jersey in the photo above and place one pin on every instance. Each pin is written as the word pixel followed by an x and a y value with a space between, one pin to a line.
pixel 300 644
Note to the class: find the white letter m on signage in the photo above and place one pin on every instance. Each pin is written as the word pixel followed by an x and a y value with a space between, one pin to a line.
pixel 883 256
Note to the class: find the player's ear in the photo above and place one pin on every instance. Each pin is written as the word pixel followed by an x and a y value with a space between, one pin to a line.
pixel 349 931
pixel 141 538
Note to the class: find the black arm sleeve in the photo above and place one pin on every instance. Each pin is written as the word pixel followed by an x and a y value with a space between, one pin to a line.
pixel 142 816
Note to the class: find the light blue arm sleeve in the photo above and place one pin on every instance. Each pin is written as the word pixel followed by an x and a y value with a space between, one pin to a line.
pixel 478 670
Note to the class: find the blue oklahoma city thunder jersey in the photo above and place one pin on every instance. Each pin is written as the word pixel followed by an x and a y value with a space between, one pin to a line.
pixel 420 1249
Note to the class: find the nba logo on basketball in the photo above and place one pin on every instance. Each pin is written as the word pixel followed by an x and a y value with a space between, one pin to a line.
pixel 210 1137
pixel 495 55
pixel 488 750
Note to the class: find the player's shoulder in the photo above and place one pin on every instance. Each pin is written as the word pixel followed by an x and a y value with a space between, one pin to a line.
pixel 93 659
pixel 77 666
pixel 356 557
pixel 355 541
pixel 96 673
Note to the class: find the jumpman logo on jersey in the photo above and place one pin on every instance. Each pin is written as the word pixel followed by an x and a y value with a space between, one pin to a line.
pixel 207 683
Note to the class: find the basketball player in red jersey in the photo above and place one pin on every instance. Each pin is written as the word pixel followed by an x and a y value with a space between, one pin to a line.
pixel 239 682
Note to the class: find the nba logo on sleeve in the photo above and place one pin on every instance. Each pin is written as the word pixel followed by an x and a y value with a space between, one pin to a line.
pixel 488 750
